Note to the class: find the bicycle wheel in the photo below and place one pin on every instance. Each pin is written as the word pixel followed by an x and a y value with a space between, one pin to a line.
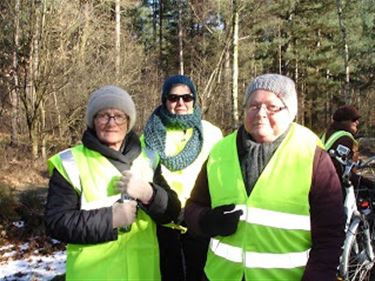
pixel 356 263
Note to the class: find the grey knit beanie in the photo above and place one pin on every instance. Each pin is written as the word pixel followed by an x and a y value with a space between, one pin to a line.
pixel 280 85
pixel 110 96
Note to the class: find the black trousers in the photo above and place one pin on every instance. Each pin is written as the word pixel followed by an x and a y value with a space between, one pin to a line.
pixel 182 256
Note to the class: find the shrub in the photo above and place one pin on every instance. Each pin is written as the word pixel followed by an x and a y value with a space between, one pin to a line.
pixel 8 205
pixel 31 209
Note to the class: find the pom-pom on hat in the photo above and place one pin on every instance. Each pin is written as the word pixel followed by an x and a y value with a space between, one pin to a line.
pixel 110 96
pixel 280 85
pixel 177 79
pixel 346 113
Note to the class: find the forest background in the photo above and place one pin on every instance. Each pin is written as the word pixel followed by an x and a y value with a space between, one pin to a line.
pixel 54 53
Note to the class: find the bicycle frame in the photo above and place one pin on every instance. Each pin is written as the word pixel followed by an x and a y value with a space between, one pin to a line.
pixel 358 256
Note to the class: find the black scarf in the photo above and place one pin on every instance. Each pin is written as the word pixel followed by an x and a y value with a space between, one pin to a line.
pixel 123 159
pixel 255 156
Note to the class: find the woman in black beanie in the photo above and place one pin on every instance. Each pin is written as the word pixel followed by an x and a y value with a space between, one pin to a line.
pixel 176 131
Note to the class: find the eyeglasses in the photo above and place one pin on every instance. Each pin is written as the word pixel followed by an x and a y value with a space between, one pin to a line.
pixel 270 109
pixel 104 118
pixel 175 98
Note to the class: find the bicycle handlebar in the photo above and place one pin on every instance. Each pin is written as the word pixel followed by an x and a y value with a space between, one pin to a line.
pixel 366 163
pixel 348 164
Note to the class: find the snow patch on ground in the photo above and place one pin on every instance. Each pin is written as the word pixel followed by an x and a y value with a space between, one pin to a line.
pixel 35 267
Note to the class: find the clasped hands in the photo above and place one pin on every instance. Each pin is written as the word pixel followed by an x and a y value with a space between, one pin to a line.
pixel 134 187
pixel 124 213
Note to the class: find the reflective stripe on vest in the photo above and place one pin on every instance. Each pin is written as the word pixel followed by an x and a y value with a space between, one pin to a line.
pixel 71 168
pixel 273 219
pixel 334 137
pixel 273 237
pixel 258 260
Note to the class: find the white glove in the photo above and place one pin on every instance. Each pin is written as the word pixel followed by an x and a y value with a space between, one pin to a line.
pixel 135 187
pixel 124 214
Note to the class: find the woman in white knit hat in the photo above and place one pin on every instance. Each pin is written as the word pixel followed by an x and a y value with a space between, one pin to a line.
pixel 107 194
pixel 268 196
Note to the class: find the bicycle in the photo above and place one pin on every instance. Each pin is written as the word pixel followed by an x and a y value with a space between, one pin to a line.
pixel 357 258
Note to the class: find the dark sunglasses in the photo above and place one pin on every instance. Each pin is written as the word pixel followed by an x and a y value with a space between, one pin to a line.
pixel 175 98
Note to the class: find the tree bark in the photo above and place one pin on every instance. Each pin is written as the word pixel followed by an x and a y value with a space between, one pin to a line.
pixel 180 38
pixel 279 50
pixel 161 31
pixel 30 100
pixel 14 94
pixel 345 51
pixel 235 65
pixel 118 38
pixel 43 142
pixel 58 114
pixel 30 84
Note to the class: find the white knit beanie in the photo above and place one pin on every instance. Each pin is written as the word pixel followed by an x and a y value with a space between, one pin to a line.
pixel 110 96
pixel 280 85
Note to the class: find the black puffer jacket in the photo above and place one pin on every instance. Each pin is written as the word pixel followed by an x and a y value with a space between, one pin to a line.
pixel 65 220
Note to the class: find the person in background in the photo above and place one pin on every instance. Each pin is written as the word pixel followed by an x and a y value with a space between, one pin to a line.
pixel 109 235
pixel 269 196
pixel 342 133
pixel 177 133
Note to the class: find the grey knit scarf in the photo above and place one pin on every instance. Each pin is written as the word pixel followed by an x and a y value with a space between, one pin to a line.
pixel 256 156
pixel 155 135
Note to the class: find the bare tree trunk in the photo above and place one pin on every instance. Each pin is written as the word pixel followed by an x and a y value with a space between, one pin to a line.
pixel 180 37
pixel 161 31
pixel 58 114
pixel 42 131
pixel 279 49
pixel 226 86
pixel 328 102
pixel 86 7
pixel 154 20
pixel 345 52
pixel 296 79
pixel 43 143
pixel 31 102
pixel 235 65
pixel 118 37
pixel 14 93
pixel 302 97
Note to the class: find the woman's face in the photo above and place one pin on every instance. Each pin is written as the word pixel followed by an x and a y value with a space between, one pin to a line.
pixel 266 117
pixel 111 127
pixel 180 100
pixel 352 125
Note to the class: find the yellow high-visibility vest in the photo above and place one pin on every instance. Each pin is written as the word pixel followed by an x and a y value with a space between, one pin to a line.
pixel 273 238
pixel 93 177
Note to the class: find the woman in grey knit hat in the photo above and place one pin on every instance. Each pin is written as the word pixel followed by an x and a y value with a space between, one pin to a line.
pixel 268 196
pixel 107 194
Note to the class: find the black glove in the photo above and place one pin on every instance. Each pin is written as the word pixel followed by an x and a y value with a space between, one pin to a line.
pixel 221 220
